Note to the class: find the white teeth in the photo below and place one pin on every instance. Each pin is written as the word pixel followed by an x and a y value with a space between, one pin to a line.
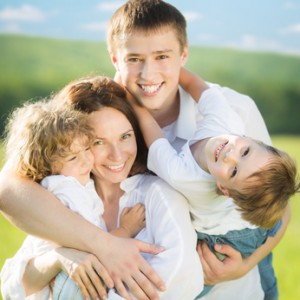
pixel 150 88
pixel 219 150
pixel 116 167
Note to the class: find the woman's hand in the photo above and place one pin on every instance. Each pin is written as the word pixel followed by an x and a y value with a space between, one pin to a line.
pixel 216 271
pixel 85 270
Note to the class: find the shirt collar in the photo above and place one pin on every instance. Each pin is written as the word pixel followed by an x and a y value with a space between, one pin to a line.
pixel 186 122
pixel 131 183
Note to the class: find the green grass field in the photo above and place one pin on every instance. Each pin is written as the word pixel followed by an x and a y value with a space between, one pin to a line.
pixel 286 254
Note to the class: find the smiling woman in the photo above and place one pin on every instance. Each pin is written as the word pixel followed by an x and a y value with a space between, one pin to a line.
pixel 123 189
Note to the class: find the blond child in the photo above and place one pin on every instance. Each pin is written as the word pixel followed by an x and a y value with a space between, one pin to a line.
pixel 52 146
pixel 220 160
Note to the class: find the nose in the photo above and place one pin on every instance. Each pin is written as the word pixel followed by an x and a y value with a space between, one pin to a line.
pixel 147 70
pixel 231 157
pixel 88 157
pixel 115 153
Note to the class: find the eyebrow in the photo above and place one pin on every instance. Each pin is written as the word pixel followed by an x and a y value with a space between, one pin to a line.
pixel 102 138
pixel 154 52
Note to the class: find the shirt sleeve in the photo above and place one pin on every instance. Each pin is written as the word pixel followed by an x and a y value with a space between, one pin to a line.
pixel 177 169
pixel 170 226
pixel 218 116
pixel 14 268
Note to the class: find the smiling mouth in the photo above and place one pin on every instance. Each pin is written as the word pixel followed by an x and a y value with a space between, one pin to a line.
pixel 219 150
pixel 150 89
pixel 116 168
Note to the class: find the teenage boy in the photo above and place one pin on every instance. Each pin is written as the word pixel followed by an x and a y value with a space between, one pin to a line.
pixel 147 42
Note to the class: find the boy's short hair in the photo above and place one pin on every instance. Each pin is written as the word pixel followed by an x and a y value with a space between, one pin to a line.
pixel 147 16
pixel 40 134
pixel 265 196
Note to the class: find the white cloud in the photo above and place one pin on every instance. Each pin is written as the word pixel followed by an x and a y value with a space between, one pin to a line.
pixel 96 26
pixel 250 42
pixel 191 16
pixel 291 29
pixel 110 6
pixel 26 13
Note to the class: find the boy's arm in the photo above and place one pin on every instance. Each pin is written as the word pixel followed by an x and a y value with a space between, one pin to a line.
pixel 192 83
pixel 234 266
pixel 33 209
pixel 149 127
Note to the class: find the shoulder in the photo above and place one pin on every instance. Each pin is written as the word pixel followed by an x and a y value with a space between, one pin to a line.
pixel 160 193
pixel 55 182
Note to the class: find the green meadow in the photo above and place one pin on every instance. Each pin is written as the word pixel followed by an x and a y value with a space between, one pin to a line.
pixel 286 254
pixel 33 67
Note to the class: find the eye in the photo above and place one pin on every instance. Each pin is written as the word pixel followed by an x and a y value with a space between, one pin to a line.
pixel 126 136
pixel 98 142
pixel 163 56
pixel 132 59
pixel 72 158
pixel 246 152
pixel 233 172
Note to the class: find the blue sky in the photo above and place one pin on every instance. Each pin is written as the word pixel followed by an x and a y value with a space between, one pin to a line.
pixel 253 25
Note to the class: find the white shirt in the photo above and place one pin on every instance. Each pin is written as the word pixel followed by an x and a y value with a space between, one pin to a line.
pixel 167 224
pixel 211 214
pixel 247 287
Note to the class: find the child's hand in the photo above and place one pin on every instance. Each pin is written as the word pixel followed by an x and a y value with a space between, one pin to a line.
pixel 133 219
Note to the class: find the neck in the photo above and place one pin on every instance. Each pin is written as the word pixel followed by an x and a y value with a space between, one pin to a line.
pixel 110 195
pixel 168 113
pixel 108 192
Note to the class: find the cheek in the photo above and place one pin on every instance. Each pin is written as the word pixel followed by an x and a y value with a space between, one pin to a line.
pixel 98 154
pixel 215 171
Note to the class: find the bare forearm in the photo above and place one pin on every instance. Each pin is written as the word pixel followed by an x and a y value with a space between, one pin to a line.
pixel 192 83
pixel 150 128
pixel 270 244
pixel 39 272
pixel 36 211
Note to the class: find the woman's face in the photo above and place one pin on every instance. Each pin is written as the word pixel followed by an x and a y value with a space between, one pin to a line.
pixel 115 147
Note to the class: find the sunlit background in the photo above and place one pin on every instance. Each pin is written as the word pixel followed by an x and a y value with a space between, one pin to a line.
pixel 266 25
pixel 252 46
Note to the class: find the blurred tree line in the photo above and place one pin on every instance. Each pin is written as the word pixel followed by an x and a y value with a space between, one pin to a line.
pixel 32 68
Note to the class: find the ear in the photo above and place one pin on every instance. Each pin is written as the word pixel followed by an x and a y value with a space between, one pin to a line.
pixel 223 189
pixel 114 61
pixel 184 55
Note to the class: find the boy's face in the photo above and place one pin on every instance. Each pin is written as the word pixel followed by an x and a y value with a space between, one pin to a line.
pixel 149 66
pixel 78 163
pixel 231 159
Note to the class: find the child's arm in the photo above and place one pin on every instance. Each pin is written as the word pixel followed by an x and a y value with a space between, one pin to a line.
pixel 192 83
pixel 132 221
pixel 149 127
pixel 82 267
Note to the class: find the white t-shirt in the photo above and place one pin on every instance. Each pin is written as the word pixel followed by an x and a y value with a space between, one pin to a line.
pixel 211 214
pixel 167 224
pixel 247 287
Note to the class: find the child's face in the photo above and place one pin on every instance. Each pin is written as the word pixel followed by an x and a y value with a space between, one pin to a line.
pixel 115 146
pixel 149 65
pixel 231 159
pixel 78 163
